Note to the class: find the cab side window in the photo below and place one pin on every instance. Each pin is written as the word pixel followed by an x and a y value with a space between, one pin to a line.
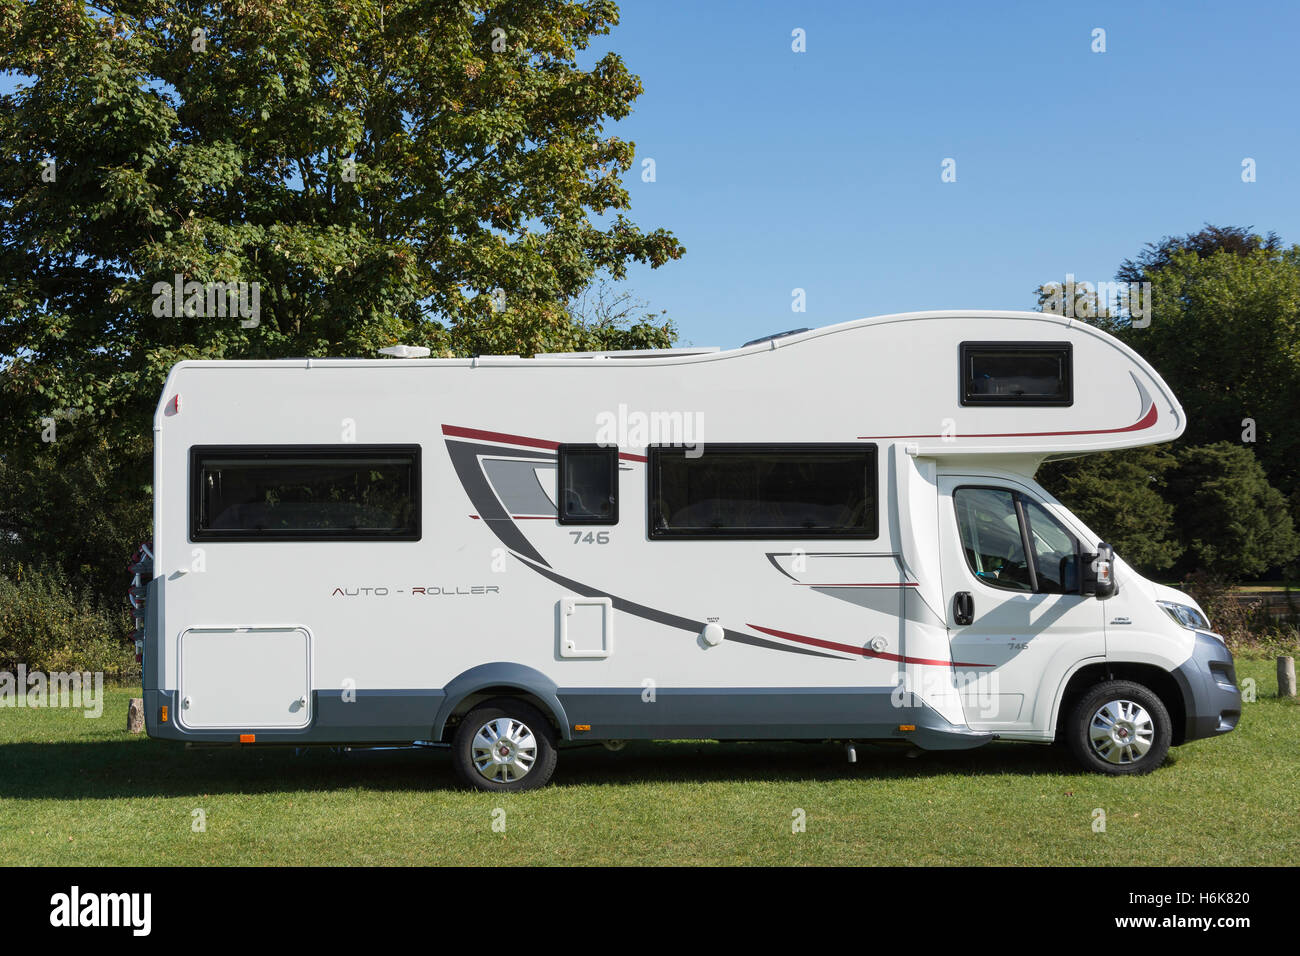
pixel 1056 551
pixel 990 536
pixel 1012 542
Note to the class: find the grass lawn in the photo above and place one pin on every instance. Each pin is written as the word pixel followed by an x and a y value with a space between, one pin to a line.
pixel 75 791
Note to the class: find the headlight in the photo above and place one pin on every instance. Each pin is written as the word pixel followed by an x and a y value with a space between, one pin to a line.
pixel 1185 616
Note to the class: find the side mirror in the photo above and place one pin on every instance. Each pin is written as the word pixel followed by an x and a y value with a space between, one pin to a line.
pixel 1099 572
pixel 1069 575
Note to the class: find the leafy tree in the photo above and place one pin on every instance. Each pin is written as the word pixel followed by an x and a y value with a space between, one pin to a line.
pixel 1225 335
pixel 1121 496
pixel 1234 240
pixel 1235 524
pixel 608 317
pixel 425 171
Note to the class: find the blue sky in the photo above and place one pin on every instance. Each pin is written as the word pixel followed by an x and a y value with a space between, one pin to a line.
pixel 821 170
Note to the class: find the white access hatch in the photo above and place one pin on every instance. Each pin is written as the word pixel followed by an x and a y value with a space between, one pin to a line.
pixel 586 626
pixel 245 677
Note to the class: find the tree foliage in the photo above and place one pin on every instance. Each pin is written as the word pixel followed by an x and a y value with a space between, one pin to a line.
pixel 1122 496
pixel 425 171
pixel 1234 522
pixel 1234 240
pixel 1224 333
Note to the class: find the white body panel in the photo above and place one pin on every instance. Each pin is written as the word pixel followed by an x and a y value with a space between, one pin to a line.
pixel 390 617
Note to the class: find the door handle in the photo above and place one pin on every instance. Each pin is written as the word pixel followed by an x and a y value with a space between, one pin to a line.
pixel 963 608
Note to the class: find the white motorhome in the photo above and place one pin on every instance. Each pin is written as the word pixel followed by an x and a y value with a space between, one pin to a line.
pixel 831 535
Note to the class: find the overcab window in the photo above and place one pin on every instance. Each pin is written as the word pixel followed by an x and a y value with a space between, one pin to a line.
pixel 305 493
pixel 763 491
pixel 1017 373
pixel 588 484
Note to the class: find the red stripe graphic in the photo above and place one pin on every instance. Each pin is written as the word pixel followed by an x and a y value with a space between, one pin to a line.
pixel 455 431
pixel 864 651
pixel 1146 421
pixel 478 434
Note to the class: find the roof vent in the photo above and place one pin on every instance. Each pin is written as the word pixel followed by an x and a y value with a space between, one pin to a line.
pixel 777 335
pixel 405 351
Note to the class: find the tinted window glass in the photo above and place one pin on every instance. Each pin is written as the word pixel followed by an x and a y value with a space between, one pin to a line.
pixel 1055 550
pixel 764 491
pixel 304 493
pixel 588 485
pixel 990 536
pixel 1016 374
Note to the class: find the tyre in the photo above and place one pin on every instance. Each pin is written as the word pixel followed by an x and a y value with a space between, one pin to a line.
pixel 504 745
pixel 1119 728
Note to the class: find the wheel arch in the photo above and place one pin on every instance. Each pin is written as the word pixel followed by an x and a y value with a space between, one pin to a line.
pixel 499 679
pixel 1156 679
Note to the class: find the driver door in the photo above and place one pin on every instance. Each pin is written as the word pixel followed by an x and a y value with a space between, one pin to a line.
pixel 1016 622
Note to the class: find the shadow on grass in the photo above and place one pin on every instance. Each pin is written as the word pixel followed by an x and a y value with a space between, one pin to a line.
pixel 143 768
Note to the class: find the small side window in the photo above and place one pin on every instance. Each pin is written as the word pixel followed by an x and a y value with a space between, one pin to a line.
pixel 1017 373
pixel 588 488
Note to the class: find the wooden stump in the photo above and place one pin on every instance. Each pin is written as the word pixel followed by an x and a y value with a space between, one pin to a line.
pixel 1286 677
pixel 135 716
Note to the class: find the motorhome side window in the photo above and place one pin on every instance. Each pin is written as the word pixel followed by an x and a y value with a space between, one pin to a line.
pixel 763 491
pixel 588 484
pixel 1017 373
pixel 305 493
pixel 999 527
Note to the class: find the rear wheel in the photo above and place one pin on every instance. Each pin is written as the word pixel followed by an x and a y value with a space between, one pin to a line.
pixel 504 745
pixel 1120 728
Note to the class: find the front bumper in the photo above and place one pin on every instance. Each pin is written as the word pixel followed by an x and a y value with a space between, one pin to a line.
pixel 1208 681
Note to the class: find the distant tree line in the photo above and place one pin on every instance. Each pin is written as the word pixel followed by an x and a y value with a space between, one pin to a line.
pixel 1224 332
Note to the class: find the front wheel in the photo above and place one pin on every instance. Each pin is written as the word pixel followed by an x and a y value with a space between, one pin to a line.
pixel 504 745
pixel 1120 728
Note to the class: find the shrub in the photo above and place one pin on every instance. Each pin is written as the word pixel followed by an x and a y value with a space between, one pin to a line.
pixel 1247 626
pixel 48 624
